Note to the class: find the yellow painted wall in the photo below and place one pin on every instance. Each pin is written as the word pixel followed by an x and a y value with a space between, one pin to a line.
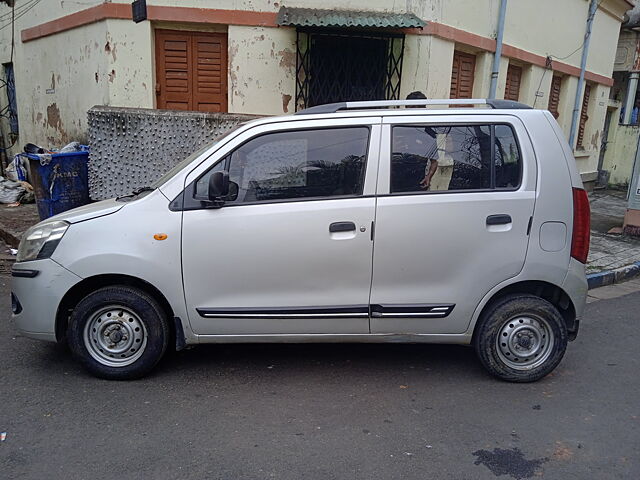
pixel 621 151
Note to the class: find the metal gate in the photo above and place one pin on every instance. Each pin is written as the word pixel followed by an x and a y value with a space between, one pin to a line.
pixel 338 66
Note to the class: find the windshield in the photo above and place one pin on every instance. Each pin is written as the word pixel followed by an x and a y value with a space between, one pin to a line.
pixel 181 165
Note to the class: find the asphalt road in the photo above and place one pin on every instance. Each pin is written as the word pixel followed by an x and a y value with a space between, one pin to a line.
pixel 326 412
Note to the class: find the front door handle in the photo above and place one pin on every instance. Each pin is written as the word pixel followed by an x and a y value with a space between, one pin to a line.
pixel 342 227
pixel 501 219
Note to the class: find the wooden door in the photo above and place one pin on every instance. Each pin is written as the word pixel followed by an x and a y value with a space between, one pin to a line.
pixel 462 73
pixel 191 71
pixel 514 78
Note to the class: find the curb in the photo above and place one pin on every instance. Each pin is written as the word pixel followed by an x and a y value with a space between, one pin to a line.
pixel 610 277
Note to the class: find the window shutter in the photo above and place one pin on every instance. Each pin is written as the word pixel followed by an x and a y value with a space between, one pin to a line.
pixel 462 73
pixel 191 71
pixel 554 96
pixel 583 115
pixel 512 88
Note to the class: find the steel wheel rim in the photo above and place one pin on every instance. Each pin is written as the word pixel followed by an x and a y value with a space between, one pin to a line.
pixel 525 342
pixel 115 336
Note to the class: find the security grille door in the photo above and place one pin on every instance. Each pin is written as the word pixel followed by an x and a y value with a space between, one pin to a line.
pixel 462 73
pixel 191 71
pixel 554 96
pixel 346 69
pixel 335 66
pixel 512 88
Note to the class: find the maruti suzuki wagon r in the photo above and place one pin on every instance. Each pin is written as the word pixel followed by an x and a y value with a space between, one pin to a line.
pixel 350 222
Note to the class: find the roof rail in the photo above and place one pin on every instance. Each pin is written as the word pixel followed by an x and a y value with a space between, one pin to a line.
pixel 334 107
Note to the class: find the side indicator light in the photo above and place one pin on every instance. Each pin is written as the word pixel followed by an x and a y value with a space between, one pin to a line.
pixel 160 236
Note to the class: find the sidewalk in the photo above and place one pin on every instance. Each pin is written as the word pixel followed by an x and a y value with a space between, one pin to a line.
pixel 612 258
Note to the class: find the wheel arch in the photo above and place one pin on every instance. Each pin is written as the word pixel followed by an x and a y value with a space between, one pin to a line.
pixel 548 291
pixel 91 284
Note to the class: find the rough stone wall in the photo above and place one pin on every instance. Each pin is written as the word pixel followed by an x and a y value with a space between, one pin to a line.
pixel 132 147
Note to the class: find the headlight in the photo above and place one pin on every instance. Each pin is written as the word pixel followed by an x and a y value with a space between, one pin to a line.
pixel 40 241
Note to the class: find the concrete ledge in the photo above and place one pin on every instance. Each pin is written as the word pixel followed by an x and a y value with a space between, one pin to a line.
pixel 609 277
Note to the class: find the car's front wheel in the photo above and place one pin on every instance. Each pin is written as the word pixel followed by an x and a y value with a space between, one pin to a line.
pixel 521 338
pixel 118 332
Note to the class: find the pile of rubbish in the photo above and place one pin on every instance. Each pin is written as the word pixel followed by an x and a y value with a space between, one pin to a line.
pixel 16 187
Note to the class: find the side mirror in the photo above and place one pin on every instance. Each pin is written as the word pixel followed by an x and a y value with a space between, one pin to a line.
pixel 218 188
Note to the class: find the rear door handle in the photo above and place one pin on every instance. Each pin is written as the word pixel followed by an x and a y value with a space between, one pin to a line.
pixel 501 219
pixel 342 227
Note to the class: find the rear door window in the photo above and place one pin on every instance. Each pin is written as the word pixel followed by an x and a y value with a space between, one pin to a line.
pixel 454 158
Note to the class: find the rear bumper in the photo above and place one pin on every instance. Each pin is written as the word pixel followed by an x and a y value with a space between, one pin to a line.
pixel 575 285
pixel 37 288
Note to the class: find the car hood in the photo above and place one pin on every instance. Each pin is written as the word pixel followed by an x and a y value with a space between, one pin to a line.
pixel 87 212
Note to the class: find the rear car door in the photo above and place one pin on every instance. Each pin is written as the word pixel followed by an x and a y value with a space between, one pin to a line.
pixel 455 197
pixel 292 252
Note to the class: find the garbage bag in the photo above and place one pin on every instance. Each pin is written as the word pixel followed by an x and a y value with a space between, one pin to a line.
pixel 10 191
pixel 17 170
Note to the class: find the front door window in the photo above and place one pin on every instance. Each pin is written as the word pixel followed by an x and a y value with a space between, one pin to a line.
pixel 297 164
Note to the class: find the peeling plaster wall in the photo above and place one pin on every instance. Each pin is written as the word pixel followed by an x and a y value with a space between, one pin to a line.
pixel 262 69
pixel 131 148
pixel 58 79
pixel 621 151
pixel 62 64
pixel 129 52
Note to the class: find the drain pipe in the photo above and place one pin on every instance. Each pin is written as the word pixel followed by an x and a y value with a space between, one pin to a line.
pixel 496 58
pixel 593 7
pixel 632 88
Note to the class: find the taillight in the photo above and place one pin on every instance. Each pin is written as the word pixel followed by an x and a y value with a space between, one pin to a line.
pixel 581 225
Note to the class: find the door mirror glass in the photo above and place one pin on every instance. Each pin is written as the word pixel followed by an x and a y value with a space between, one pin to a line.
pixel 218 187
pixel 233 191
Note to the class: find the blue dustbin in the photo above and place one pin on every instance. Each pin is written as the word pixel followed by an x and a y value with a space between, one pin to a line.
pixel 61 184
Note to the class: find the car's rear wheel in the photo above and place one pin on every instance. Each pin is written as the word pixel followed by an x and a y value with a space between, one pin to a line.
pixel 521 338
pixel 118 332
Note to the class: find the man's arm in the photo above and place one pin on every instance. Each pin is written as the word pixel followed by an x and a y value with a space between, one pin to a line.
pixel 426 181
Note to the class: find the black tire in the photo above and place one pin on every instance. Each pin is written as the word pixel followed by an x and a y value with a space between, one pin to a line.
pixel 140 312
pixel 510 318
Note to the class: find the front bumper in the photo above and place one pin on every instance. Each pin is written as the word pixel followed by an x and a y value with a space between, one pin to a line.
pixel 37 287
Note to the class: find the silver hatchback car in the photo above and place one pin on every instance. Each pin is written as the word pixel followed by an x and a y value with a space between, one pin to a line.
pixel 350 222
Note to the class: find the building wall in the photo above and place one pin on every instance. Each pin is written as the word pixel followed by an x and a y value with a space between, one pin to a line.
pixel 262 68
pixel 111 62
pixel 54 91
pixel 621 152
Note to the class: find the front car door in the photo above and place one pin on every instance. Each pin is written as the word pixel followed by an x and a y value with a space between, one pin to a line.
pixel 455 195
pixel 292 252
